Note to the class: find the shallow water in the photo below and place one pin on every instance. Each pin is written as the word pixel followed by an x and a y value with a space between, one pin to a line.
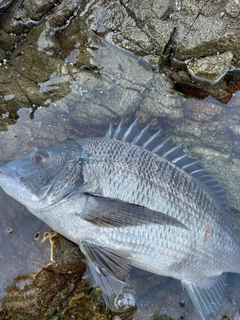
pixel 20 253
pixel 78 102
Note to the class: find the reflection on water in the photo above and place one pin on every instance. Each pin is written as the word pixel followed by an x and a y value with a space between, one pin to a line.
pixel 120 85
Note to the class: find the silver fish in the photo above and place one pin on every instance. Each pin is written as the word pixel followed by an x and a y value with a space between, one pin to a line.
pixel 132 199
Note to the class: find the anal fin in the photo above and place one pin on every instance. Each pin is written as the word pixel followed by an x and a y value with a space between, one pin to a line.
pixel 207 299
pixel 109 268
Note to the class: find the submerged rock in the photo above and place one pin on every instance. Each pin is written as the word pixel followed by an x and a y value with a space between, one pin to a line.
pixel 201 110
pixel 55 290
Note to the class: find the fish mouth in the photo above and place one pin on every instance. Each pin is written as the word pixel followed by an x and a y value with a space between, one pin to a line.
pixel 9 173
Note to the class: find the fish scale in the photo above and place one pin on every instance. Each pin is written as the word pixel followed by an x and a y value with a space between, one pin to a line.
pixel 183 190
pixel 173 194
pixel 132 199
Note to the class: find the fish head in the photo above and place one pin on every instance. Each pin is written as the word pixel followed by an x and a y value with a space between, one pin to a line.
pixel 44 177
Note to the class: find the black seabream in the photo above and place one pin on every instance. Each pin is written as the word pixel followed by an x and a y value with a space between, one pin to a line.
pixel 131 199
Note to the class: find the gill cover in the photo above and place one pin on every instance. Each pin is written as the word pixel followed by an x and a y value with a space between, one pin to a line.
pixel 45 175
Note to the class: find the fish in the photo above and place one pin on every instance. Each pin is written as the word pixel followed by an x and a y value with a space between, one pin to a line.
pixel 128 199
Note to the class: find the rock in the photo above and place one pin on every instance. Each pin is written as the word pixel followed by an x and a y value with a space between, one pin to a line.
pixel 164 107
pixel 122 23
pixel 154 17
pixel 144 10
pixel 5 4
pixel 235 129
pixel 201 110
pixel 233 8
pixel 235 100
pixel 55 290
pixel 211 68
pixel 78 96
pixel 201 30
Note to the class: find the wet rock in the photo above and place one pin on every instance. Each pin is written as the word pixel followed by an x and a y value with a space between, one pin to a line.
pixel 57 291
pixel 184 83
pixel 82 97
pixel 7 40
pixel 68 30
pixel 4 5
pixel 158 102
pixel 34 10
pixel 201 110
pixel 42 77
pixel 211 68
pixel 41 295
pixel 233 8
pixel 201 30
pixel 75 42
pixel 28 67
pixel 22 17
pixel 45 34
pixel 153 18
pixel 141 27
pixel 2 54
pixel 143 10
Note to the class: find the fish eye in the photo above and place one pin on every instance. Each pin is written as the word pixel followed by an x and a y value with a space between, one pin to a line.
pixel 39 157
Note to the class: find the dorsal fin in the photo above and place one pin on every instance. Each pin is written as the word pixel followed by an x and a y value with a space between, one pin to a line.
pixel 142 136
pixel 167 150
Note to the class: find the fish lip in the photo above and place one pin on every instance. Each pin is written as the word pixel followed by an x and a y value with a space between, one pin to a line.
pixel 5 171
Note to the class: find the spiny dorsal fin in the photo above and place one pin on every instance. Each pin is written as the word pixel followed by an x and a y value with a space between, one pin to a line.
pixel 167 150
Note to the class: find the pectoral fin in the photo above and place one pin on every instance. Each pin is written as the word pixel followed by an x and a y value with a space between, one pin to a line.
pixel 109 268
pixel 107 212
pixel 208 299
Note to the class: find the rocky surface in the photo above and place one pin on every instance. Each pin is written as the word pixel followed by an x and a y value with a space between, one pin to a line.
pixel 68 68
pixel 56 291
pixel 165 34
pixel 210 69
